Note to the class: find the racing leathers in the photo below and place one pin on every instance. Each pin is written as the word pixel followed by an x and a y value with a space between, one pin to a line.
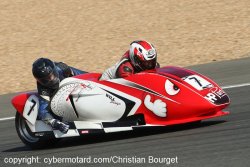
pixel 44 111
pixel 121 69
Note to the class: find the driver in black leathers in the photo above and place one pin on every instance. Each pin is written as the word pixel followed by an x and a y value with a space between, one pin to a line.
pixel 48 75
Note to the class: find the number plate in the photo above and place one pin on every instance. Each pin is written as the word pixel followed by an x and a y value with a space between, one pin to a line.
pixel 31 109
pixel 197 82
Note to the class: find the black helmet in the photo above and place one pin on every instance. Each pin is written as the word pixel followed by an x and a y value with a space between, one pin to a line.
pixel 45 72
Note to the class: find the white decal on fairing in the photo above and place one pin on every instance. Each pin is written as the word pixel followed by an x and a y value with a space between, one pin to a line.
pixel 218 92
pixel 31 109
pixel 117 129
pixel 211 97
pixel 158 107
pixel 170 88
pixel 197 82
pixel 83 100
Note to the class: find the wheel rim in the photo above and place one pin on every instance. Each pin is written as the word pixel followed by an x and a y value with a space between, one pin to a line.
pixel 25 132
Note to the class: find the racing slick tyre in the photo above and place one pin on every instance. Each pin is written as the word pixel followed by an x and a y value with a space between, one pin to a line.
pixel 29 138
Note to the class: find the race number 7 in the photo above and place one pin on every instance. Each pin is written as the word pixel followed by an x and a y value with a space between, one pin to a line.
pixel 197 82
pixel 30 110
pixel 32 107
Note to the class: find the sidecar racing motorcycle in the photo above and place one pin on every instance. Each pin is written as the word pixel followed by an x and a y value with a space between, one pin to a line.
pixel 165 96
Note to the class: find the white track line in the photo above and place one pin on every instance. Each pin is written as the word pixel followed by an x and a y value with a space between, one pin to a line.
pixel 223 87
pixel 235 86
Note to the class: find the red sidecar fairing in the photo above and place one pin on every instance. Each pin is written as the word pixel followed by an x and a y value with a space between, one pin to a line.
pixel 188 105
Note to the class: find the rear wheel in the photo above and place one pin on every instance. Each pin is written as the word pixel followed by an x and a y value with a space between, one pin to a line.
pixel 28 137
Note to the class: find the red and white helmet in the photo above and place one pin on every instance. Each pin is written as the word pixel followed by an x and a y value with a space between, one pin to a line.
pixel 143 55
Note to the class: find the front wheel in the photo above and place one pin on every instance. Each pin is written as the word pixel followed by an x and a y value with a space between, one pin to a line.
pixel 28 137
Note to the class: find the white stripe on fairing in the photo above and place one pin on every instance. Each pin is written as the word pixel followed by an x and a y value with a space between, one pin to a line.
pixel 223 87
pixel 235 86
pixel 6 118
pixel 117 129
pixel 122 81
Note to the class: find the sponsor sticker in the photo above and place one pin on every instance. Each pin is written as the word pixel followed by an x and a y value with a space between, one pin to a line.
pixel 218 92
pixel 112 99
pixel 215 94
pixel 84 132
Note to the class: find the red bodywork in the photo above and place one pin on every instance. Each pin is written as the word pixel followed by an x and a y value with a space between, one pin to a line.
pixel 188 105
pixel 19 101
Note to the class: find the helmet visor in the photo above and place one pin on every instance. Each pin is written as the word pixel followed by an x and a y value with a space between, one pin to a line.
pixel 50 80
pixel 149 64
pixel 145 64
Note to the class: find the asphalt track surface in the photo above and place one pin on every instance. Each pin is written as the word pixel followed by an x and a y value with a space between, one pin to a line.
pixel 223 141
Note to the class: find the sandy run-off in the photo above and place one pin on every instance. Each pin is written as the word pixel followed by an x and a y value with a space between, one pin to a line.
pixel 93 34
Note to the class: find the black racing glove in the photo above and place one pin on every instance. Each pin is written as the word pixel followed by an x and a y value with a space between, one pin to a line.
pixel 57 125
